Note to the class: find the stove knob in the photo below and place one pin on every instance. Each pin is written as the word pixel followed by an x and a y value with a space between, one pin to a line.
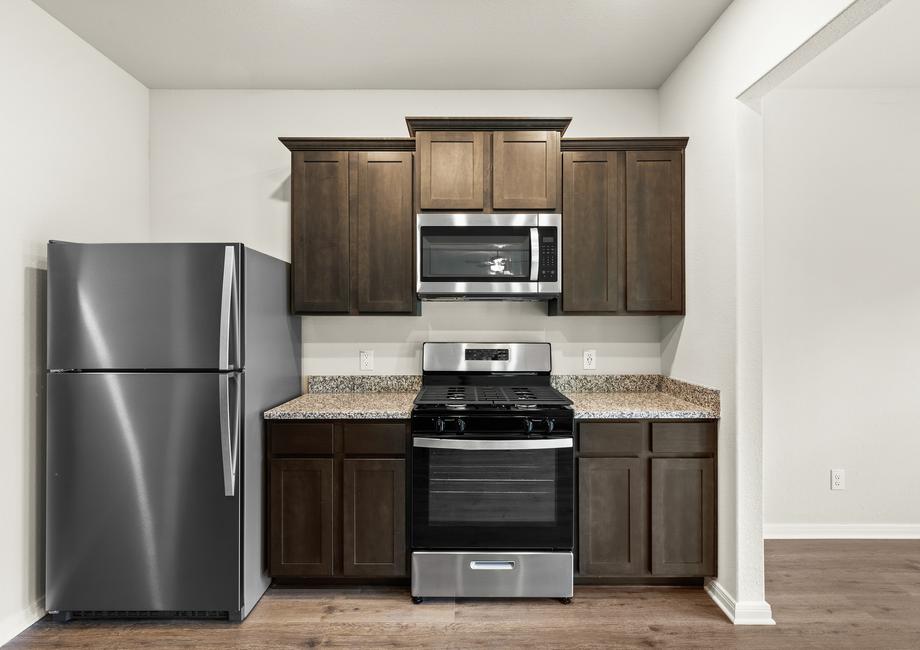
pixel 528 425
pixel 439 425
pixel 550 425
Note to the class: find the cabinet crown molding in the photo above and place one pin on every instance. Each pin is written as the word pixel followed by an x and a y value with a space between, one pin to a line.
pixel 487 124
pixel 349 144
pixel 624 144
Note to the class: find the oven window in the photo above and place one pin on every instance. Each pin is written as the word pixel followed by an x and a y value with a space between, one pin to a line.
pixel 491 486
pixel 497 499
pixel 475 254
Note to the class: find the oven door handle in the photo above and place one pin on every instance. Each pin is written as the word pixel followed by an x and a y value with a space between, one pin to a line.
pixel 497 445
pixel 534 254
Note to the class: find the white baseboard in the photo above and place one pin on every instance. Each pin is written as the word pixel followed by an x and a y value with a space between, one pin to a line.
pixel 13 624
pixel 841 531
pixel 745 612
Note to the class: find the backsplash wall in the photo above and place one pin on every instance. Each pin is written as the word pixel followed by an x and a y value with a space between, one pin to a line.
pixel 624 344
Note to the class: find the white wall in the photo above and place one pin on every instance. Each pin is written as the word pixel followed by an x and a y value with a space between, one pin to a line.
pixel 73 164
pixel 217 171
pixel 708 347
pixel 842 311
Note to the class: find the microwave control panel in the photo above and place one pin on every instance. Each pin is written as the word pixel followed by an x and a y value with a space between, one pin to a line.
pixel 548 261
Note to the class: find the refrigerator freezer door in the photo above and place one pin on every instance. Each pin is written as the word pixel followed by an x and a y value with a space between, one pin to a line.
pixel 144 306
pixel 137 517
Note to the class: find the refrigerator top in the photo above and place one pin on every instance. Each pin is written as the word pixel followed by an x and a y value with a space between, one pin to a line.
pixel 145 306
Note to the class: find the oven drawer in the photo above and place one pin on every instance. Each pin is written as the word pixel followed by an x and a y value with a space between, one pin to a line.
pixel 479 575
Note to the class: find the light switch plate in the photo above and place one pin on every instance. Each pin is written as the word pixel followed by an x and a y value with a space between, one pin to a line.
pixel 366 359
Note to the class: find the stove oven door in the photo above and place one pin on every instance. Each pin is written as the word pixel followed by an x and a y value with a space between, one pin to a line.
pixel 494 494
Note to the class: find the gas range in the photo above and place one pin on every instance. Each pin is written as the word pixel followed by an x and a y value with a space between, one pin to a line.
pixel 492 474
pixel 519 395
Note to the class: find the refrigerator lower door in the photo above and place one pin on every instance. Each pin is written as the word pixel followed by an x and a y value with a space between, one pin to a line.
pixel 137 513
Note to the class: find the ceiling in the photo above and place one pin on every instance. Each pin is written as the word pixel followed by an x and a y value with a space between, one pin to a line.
pixel 881 52
pixel 404 44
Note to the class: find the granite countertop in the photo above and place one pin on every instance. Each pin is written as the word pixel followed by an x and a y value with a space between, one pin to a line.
pixel 635 406
pixel 345 406
pixel 588 406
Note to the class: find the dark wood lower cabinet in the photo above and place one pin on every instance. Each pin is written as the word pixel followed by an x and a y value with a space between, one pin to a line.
pixel 683 516
pixel 647 500
pixel 374 517
pixel 302 517
pixel 337 499
pixel 612 525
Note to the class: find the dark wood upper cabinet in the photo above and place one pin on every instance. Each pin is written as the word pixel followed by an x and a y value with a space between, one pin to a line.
pixel 683 517
pixel 385 231
pixel 654 231
pixel 612 516
pixel 524 170
pixel 591 231
pixel 488 163
pixel 352 225
pixel 301 517
pixel 320 231
pixel 374 517
pixel 451 169
pixel 623 226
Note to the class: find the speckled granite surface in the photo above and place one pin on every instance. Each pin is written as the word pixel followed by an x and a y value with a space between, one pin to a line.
pixel 362 383
pixel 653 405
pixel 700 395
pixel 330 397
pixel 605 383
pixel 345 406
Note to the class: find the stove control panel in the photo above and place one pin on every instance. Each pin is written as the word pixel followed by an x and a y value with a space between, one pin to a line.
pixel 481 354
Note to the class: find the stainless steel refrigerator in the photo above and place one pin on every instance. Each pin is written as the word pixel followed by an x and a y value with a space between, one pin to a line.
pixel 161 360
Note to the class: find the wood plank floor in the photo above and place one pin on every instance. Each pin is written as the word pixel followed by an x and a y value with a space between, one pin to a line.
pixel 825 594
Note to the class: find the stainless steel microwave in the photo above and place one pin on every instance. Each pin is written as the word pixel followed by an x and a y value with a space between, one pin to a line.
pixel 488 256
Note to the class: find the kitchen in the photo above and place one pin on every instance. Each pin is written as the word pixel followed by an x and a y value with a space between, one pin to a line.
pixel 361 198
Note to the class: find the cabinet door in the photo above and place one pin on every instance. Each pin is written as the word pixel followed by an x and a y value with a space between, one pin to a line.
pixel 524 172
pixel 319 231
pixel 302 520
pixel 612 516
pixel 374 517
pixel 654 231
pixel 385 226
pixel 450 169
pixel 591 231
pixel 683 517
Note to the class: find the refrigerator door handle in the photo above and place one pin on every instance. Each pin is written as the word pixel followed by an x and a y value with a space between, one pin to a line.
pixel 229 432
pixel 228 303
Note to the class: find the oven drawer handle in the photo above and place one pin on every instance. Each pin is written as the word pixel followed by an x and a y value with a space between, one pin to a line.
pixel 498 445
pixel 492 565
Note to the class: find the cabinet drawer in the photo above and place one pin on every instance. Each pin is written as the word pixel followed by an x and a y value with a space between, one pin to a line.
pixel 301 439
pixel 375 438
pixel 683 437
pixel 610 438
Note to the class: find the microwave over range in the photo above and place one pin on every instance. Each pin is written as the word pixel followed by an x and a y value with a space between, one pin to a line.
pixel 488 256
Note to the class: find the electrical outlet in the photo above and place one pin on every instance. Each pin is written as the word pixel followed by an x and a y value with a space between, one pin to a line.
pixel 366 359
pixel 838 479
pixel 590 359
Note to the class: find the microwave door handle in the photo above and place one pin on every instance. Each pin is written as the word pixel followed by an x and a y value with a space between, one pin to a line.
pixel 534 254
